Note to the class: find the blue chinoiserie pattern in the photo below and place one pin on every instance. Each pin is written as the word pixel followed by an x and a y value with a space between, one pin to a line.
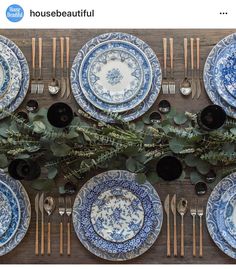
pixel 5 213
pixel 5 75
pixel 219 75
pixel 24 82
pixel 101 55
pixel 25 212
pixel 216 206
pixel 115 217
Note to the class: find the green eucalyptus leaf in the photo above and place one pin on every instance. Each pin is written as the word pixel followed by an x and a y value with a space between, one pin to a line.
pixel 23 156
pixel 52 172
pixel 146 119
pixel 39 127
pixel 43 184
pixel 182 176
pixel 152 177
pixel 228 148
pixel 3 161
pixel 139 126
pixel 195 177
pixel 233 131
pixel 60 150
pixel 61 190
pixel 177 144
pixel 180 118
pixel 141 178
pixel 203 167
pixel 131 164
pixel 148 139
pixel 191 160
pixel 141 157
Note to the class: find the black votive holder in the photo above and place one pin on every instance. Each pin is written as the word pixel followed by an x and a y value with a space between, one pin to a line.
pixel 32 106
pixel 211 118
pixel 60 115
pixel 169 168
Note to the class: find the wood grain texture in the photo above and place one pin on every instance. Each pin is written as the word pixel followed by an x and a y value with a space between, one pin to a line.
pixel 25 252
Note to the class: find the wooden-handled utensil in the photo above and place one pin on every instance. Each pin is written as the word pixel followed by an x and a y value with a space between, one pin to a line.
pixel 41 201
pixel 63 81
pixel 182 209
pixel 167 210
pixel 62 210
pixel 173 209
pixel 67 67
pixel 36 204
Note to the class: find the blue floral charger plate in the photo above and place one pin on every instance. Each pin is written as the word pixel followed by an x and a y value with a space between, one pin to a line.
pixel 5 75
pixel 216 205
pixel 25 212
pixel 24 80
pixel 115 76
pixel 143 102
pixel 220 73
pixel 12 86
pixel 5 213
pixel 14 218
pixel 115 217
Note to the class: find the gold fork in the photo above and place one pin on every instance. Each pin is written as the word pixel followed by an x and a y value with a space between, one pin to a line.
pixel 193 212
pixel 165 84
pixel 62 210
pixel 172 79
pixel 68 213
pixel 34 85
pixel 200 212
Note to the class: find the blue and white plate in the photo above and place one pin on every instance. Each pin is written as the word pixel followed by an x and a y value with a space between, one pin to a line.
pixel 15 214
pixel 225 216
pixel 12 87
pixel 129 114
pixel 115 217
pixel 219 75
pixel 5 213
pixel 24 75
pixel 213 206
pixel 5 75
pixel 115 76
pixel 25 212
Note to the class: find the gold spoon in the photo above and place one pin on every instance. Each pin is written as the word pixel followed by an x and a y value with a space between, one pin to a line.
pixel 182 209
pixel 49 206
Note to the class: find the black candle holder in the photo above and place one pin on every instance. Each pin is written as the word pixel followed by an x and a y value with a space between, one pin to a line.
pixel 22 169
pixel 211 118
pixel 60 115
pixel 169 168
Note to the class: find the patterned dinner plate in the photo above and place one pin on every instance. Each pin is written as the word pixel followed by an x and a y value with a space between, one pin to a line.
pixel 129 114
pixel 24 84
pixel 115 217
pixel 214 205
pixel 5 213
pixel 220 74
pixel 115 76
pixel 225 216
pixel 14 217
pixel 12 87
pixel 25 212
pixel 5 75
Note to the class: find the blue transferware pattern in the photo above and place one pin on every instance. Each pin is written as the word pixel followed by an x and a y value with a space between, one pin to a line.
pixel 25 212
pixel 24 78
pixel 5 213
pixel 230 216
pixel 136 73
pixel 5 75
pixel 13 88
pixel 221 216
pixel 117 215
pixel 213 76
pixel 114 77
pixel 15 216
pixel 213 205
pixel 147 102
pixel 115 181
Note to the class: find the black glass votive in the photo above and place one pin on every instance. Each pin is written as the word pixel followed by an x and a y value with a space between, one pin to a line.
pixel 169 168
pixel 211 118
pixel 60 115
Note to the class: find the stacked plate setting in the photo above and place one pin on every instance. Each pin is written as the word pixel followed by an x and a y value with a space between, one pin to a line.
pixel 115 217
pixel 116 73
pixel 220 75
pixel 15 212
pixel 14 76
pixel 221 215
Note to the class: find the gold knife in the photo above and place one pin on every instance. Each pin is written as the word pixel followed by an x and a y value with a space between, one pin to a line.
pixel 36 204
pixel 67 67
pixel 173 209
pixel 41 201
pixel 167 210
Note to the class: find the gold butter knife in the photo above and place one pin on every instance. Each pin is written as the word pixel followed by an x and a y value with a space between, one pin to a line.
pixel 167 210
pixel 41 201
pixel 173 209
pixel 36 204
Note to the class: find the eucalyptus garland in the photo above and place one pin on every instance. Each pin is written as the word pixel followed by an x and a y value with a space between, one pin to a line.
pixel 86 145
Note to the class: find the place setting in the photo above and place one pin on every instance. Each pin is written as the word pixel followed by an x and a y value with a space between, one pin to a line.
pixel 113 157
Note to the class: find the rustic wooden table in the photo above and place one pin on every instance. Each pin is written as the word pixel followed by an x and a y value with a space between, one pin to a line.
pixel 24 252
